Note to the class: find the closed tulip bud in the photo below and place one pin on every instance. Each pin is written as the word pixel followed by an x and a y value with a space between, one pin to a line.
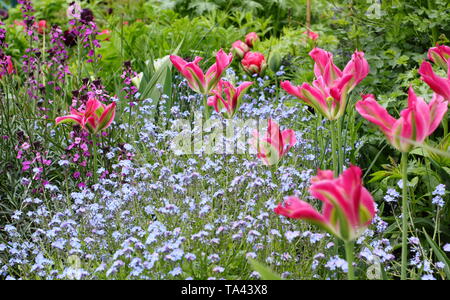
pixel 239 49
pixel 251 39
pixel 254 63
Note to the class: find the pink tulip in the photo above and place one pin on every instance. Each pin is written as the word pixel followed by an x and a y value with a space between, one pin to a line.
pixel 416 123
pixel 198 81
pixel 438 84
pixel 254 63
pixel 95 118
pixel 348 208
pixel 251 39
pixel 42 26
pixel 312 35
pixel 274 144
pixel 329 91
pixel 232 97
pixel 440 55
pixel 239 49
pixel 330 103
pixel 324 66
pixel 358 67
pixel 104 35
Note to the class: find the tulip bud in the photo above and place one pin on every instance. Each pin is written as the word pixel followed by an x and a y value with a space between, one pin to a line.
pixel 251 39
pixel 440 55
pixel 239 49
pixel 254 63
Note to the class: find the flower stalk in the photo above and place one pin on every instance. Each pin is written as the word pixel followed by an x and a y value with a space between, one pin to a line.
pixel 404 166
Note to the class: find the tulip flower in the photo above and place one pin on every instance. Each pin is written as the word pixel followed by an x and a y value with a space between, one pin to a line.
pixel 105 34
pixel 311 35
pixel 438 84
pixel 440 55
pixel 239 49
pixel 330 103
pixel 198 81
pixel 329 91
pixel 95 118
pixel 251 39
pixel 274 144
pixel 254 63
pixel 232 97
pixel 348 208
pixel 42 26
pixel 416 123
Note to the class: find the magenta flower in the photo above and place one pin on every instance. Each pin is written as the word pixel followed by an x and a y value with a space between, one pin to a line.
pixel 198 81
pixel 254 63
pixel 348 207
pixel 328 93
pixel 228 97
pixel 440 55
pixel 274 144
pixel 438 84
pixel 95 118
pixel 311 35
pixel 239 48
pixel 251 39
pixel 416 123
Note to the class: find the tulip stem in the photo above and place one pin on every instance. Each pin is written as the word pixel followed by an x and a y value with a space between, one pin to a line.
pixel 94 150
pixel 404 164
pixel 340 151
pixel 350 258
pixel 206 107
pixel 333 148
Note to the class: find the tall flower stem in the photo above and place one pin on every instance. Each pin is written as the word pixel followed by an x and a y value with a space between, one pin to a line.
pixel 334 148
pixel 94 150
pixel 405 213
pixel 339 146
pixel 207 112
pixel 350 258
